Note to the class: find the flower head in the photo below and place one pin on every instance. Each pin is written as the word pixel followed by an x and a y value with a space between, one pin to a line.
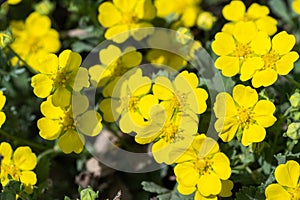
pixel 18 165
pixel 206 20
pixel 69 124
pixel 57 77
pixel 288 186
pixel 187 11
pixel 236 12
pixel 34 38
pixel 122 16
pixel 2 114
pixel 202 169
pixel 243 114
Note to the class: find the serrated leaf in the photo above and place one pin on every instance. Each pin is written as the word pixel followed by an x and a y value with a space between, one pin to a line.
pixel 280 158
pixel 166 196
pixel 154 188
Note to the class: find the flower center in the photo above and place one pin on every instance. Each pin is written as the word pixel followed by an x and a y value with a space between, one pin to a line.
pixel 169 133
pixel 10 169
pixel 67 121
pixel 129 18
pixel 270 60
pixel 117 68
pixel 203 165
pixel 295 194
pixel 61 79
pixel 245 116
pixel 133 103
pixel 242 50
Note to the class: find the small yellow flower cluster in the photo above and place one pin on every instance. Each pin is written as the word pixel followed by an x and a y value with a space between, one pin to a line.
pixel 60 80
pixel 18 166
pixel 288 186
pixel 2 114
pixel 34 39
pixel 244 46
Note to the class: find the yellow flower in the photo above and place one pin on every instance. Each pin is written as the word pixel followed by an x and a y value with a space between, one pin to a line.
pixel 34 39
pixel 206 20
pixel 57 77
pixel 69 124
pixel 2 114
pixel 128 100
pixel 272 58
pixel 234 48
pixel 13 2
pixel 296 6
pixel 236 12
pixel 288 186
pixel 202 168
pixel 182 94
pixel 123 16
pixel 187 10
pixel 18 165
pixel 243 114
pixel 114 64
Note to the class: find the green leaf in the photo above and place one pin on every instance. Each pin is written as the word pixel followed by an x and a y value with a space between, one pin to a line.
pixel 67 198
pixel 7 196
pixel 154 188
pixel 250 193
pixel 12 187
pixel 280 9
pixel 280 158
pixel 88 194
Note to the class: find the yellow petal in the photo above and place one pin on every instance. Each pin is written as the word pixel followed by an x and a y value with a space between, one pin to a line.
pixel 286 63
pixel 2 118
pixel 224 44
pixel 227 186
pixel 71 141
pixel 24 158
pixel 254 133
pixel 145 9
pixel 209 184
pixel 256 11
pixel 245 96
pixel 276 192
pixel 61 97
pixel 106 107
pixel 6 152
pixel 283 42
pixel 199 196
pixel 244 32
pixel 69 60
pixel 263 113
pixel 267 24
pixel 49 64
pixel 261 44
pixel 141 30
pixel 132 59
pixel 224 105
pixel 296 6
pixel 109 15
pixel 288 174
pixel 126 6
pixel 146 103
pixel 2 100
pixel 186 174
pixel 221 165
pixel 50 111
pixel 39 24
pixel 89 123
pixel 234 11
pixel 227 128
pixel 230 66
pixel 163 88
pixel 189 16
pixel 109 55
pixel 42 85
pixel 250 66
pixel 182 189
pixel 118 33
pixel 49 129
pixel 28 178
pixel 80 103
pixel 264 78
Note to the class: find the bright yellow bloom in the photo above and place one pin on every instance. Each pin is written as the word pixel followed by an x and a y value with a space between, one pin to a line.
pixel 288 186
pixel 34 39
pixel 114 64
pixel 18 165
pixel 2 114
pixel 243 114
pixel 57 77
pixel 69 124
pixel 236 12
pixel 13 2
pixel 126 17
pixel 182 94
pixel 202 168
pixel 206 20
pixel 187 11
pixel 296 6
pixel 272 58
pixel 234 49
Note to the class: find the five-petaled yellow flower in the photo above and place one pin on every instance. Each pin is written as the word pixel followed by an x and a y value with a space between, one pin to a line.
pixel 126 17
pixel 59 76
pixel 34 39
pixel 236 12
pixel 69 124
pixel 243 114
pixel 270 59
pixel 18 165
pixel 2 114
pixel 202 168
pixel 288 186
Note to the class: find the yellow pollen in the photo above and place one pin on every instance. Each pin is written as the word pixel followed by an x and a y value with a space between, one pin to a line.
pixel 295 193
pixel 169 133
pixel 242 51
pixel 203 165
pixel 129 18
pixel 244 116
pixel 270 60
pixel 68 122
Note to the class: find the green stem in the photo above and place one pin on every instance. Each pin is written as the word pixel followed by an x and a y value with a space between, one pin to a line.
pixel 22 140
pixel 21 59
pixel 290 79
